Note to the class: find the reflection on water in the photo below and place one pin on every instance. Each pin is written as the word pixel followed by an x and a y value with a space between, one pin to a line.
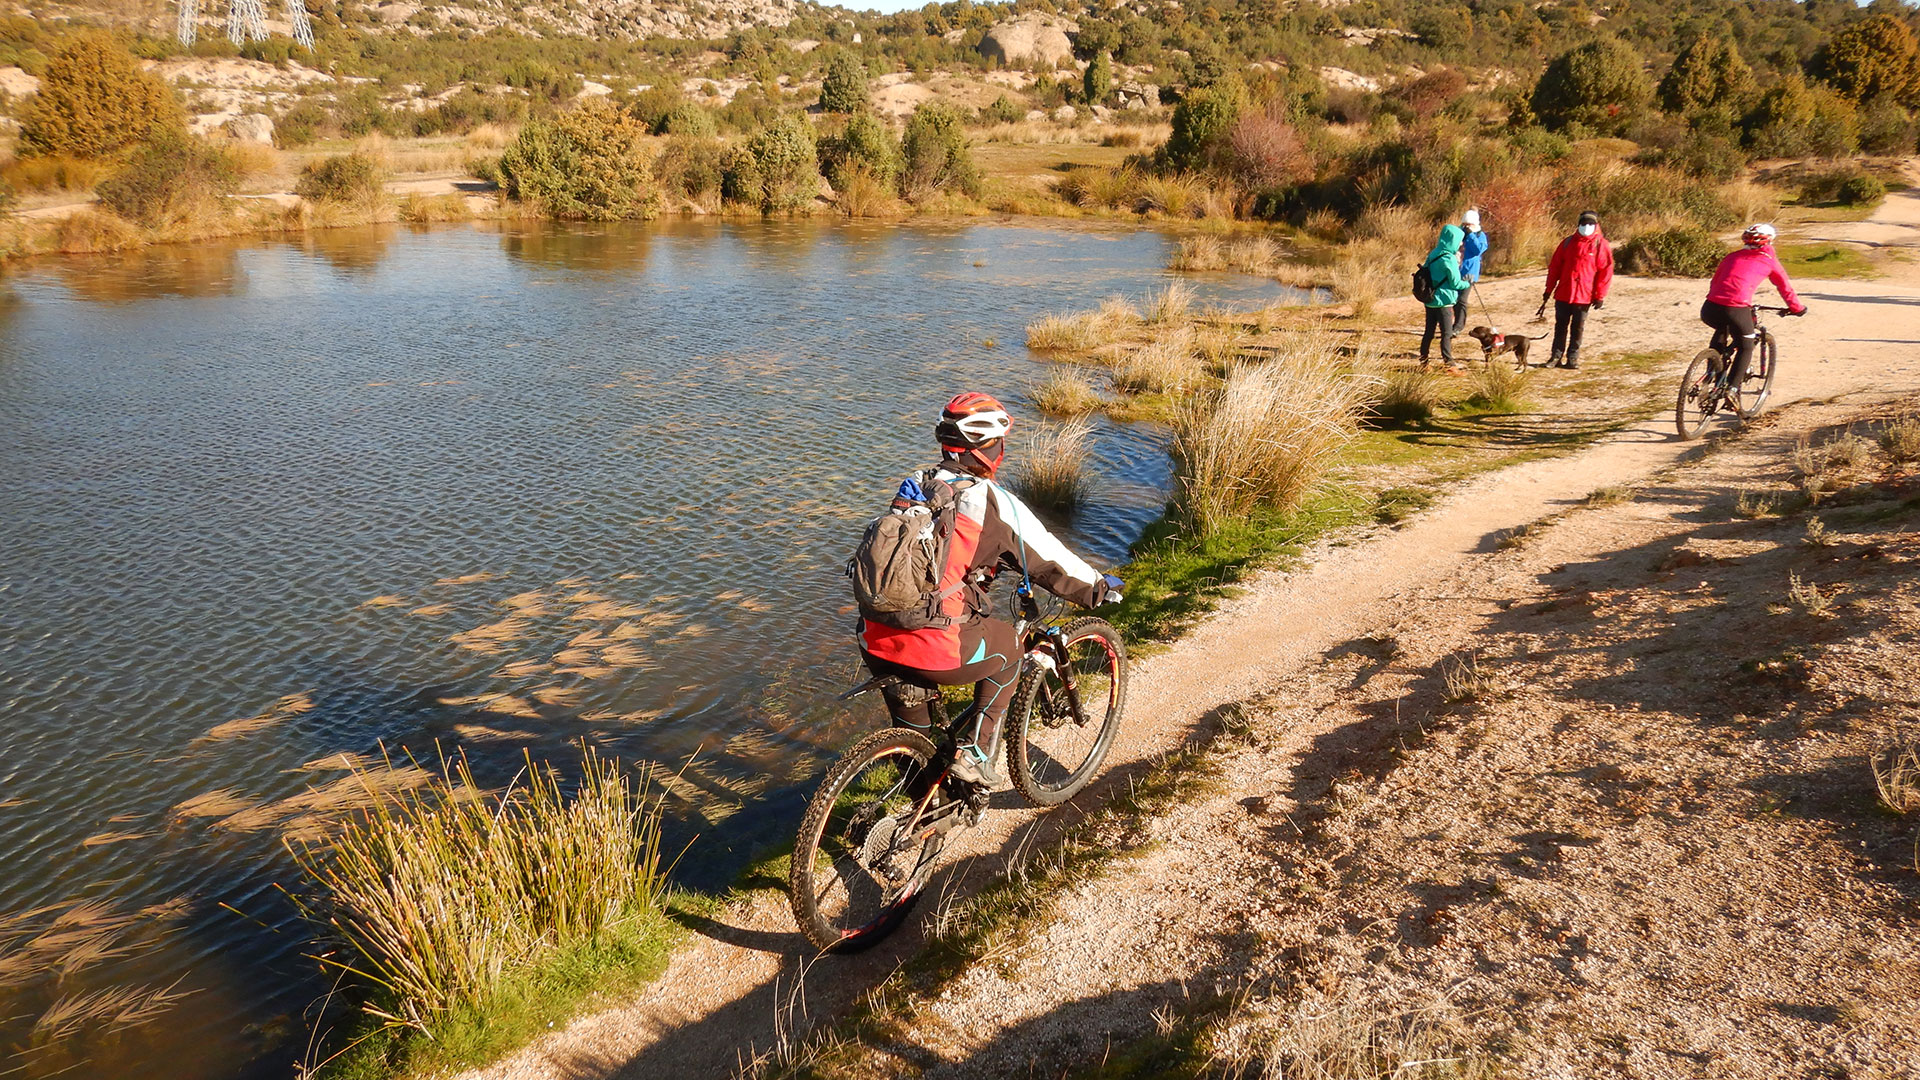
pixel 273 509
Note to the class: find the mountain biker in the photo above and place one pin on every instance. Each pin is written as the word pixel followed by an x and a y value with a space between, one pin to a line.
pixel 1729 305
pixel 993 530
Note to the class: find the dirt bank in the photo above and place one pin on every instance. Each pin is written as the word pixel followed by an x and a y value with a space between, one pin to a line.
pixel 723 997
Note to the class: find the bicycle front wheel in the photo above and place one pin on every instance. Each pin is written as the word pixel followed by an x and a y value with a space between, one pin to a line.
pixel 863 854
pixel 1064 714
pixel 1759 384
pixel 1698 399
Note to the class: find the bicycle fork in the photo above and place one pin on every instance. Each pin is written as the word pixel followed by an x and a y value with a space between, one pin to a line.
pixel 1044 658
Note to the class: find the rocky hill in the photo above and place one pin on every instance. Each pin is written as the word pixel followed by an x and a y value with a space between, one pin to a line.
pixel 616 19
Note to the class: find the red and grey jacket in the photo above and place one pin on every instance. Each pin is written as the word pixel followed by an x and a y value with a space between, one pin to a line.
pixel 1581 270
pixel 992 530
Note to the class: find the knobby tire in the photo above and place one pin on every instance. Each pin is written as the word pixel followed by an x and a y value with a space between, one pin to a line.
pixel 1040 710
pixel 1695 386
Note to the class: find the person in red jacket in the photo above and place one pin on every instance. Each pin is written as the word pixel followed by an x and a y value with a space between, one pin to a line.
pixel 1577 279
pixel 992 531
pixel 1729 304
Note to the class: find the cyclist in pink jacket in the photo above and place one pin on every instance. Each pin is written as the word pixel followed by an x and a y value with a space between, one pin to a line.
pixel 1729 305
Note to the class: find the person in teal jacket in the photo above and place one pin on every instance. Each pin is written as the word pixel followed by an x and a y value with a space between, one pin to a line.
pixel 1443 269
pixel 1471 249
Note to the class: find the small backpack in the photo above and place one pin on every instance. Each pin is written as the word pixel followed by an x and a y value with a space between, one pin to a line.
pixel 896 568
pixel 1423 289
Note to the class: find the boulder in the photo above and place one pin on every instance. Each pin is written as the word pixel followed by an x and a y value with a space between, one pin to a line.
pixel 1036 40
pixel 1138 95
pixel 1064 114
pixel 253 127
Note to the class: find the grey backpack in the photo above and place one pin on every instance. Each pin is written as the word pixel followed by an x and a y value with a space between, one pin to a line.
pixel 896 569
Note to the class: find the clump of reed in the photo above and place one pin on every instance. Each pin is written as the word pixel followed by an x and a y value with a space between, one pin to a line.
pixel 1264 438
pixel 1168 304
pixel 1499 388
pixel 1053 467
pixel 1403 396
pixel 439 895
pixel 1199 253
pixel 1066 394
pixel 1164 365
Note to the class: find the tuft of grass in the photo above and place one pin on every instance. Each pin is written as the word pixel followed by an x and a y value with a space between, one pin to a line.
pixel 1396 505
pixel 1162 366
pixel 1199 253
pixel 1900 440
pixel 1265 437
pixel 1061 333
pixel 438 897
pixel 419 209
pixel 1404 396
pixel 1896 774
pixel 1169 304
pixel 1066 393
pixel 1807 596
pixel 1611 494
pixel 1817 534
pixel 1462 681
pixel 1053 469
pixel 1516 536
pixel 1499 388
pixel 1348 1036
pixel 1754 503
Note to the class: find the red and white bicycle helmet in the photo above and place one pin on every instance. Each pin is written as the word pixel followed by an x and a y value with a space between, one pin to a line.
pixel 1758 235
pixel 974 424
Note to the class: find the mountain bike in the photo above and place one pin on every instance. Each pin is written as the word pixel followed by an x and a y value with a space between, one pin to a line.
pixel 1704 389
pixel 874 831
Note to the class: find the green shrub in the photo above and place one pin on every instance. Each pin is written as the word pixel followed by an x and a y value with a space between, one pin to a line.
pixel 1862 190
pixel 1848 186
pixel 688 119
pixel 300 125
pixel 1599 85
pixel 353 179
pixel 777 169
pixel 1200 125
pixel 93 100
pixel 1684 252
pixel 866 143
pixel 844 88
pixel 691 168
pixel 1538 146
pixel 587 162
pixel 1886 128
pixel 1793 119
pixel 1004 110
pixel 934 152
pixel 171 179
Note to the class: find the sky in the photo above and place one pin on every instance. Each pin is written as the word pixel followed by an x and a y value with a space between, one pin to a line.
pixel 885 7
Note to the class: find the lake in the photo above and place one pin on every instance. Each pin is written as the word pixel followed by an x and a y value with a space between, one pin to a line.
pixel 267 508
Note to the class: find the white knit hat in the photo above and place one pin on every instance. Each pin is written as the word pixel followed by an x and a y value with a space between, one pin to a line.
pixel 1471 217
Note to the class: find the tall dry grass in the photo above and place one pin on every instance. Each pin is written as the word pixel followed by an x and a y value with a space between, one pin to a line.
pixel 438 895
pixel 1343 1037
pixel 1264 438
pixel 1065 393
pixel 1166 364
pixel 1896 773
pixel 1404 395
pixel 1052 474
pixel 1168 304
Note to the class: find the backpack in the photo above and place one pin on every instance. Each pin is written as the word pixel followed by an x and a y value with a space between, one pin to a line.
pixel 896 567
pixel 1423 289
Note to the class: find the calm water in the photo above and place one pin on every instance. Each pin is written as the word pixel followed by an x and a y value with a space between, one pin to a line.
pixel 337 490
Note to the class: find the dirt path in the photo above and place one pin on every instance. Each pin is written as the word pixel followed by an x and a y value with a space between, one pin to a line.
pixel 725 995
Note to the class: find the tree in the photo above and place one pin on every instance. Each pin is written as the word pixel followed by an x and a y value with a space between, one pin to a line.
pixel 589 162
pixel 1872 59
pixel 1600 85
pixel 844 89
pixel 1708 73
pixel 1099 79
pixel 934 152
pixel 777 169
pixel 867 144
pixel 93 100
pixel 1267 150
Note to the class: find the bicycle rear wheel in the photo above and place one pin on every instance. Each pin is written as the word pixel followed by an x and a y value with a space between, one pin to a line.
pixel 1697 401
pixel 1053 748
pixel 1759 385
pixel 863 852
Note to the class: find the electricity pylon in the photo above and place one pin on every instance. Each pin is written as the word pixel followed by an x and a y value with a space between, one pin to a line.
pixel 246 21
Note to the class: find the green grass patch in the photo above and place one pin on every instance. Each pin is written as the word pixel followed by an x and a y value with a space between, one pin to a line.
pixel 1825 261
pixel 562 985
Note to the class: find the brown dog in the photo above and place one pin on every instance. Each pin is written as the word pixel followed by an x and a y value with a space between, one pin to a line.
pixel 1494 344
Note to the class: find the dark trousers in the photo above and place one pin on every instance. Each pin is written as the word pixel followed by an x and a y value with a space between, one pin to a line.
pixel 1569 322
pixel 992 677
pixel 1440 319
pixel 1460 311
pixel 1733 324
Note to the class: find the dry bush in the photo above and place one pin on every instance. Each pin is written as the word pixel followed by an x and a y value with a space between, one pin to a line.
pixel 45 173
pixel 1170 196
pixel 1199 253
pixel 1402 227
pixel 490 137
pixel 424 209
pixel 1807 596
pixel 1066 393
pixel 1264 439
pixel 1052 474
pixel 1517 212
pixel 1900 440
pixel 92 231
pixel 1267 152
pixel 1165 365
pixel 1754 503
pixel 1365 273
pixel 1896 773
pixel 1822 468
pixel 253 161
pixel 1750 201
pixel 1324 222
pixel 1168 304
pixel 862 195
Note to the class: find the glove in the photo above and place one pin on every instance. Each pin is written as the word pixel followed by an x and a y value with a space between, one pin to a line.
pixel 1598 304
pixel 1110 587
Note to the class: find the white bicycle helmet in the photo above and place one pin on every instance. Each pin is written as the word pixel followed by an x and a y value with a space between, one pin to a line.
pixel 1759 235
